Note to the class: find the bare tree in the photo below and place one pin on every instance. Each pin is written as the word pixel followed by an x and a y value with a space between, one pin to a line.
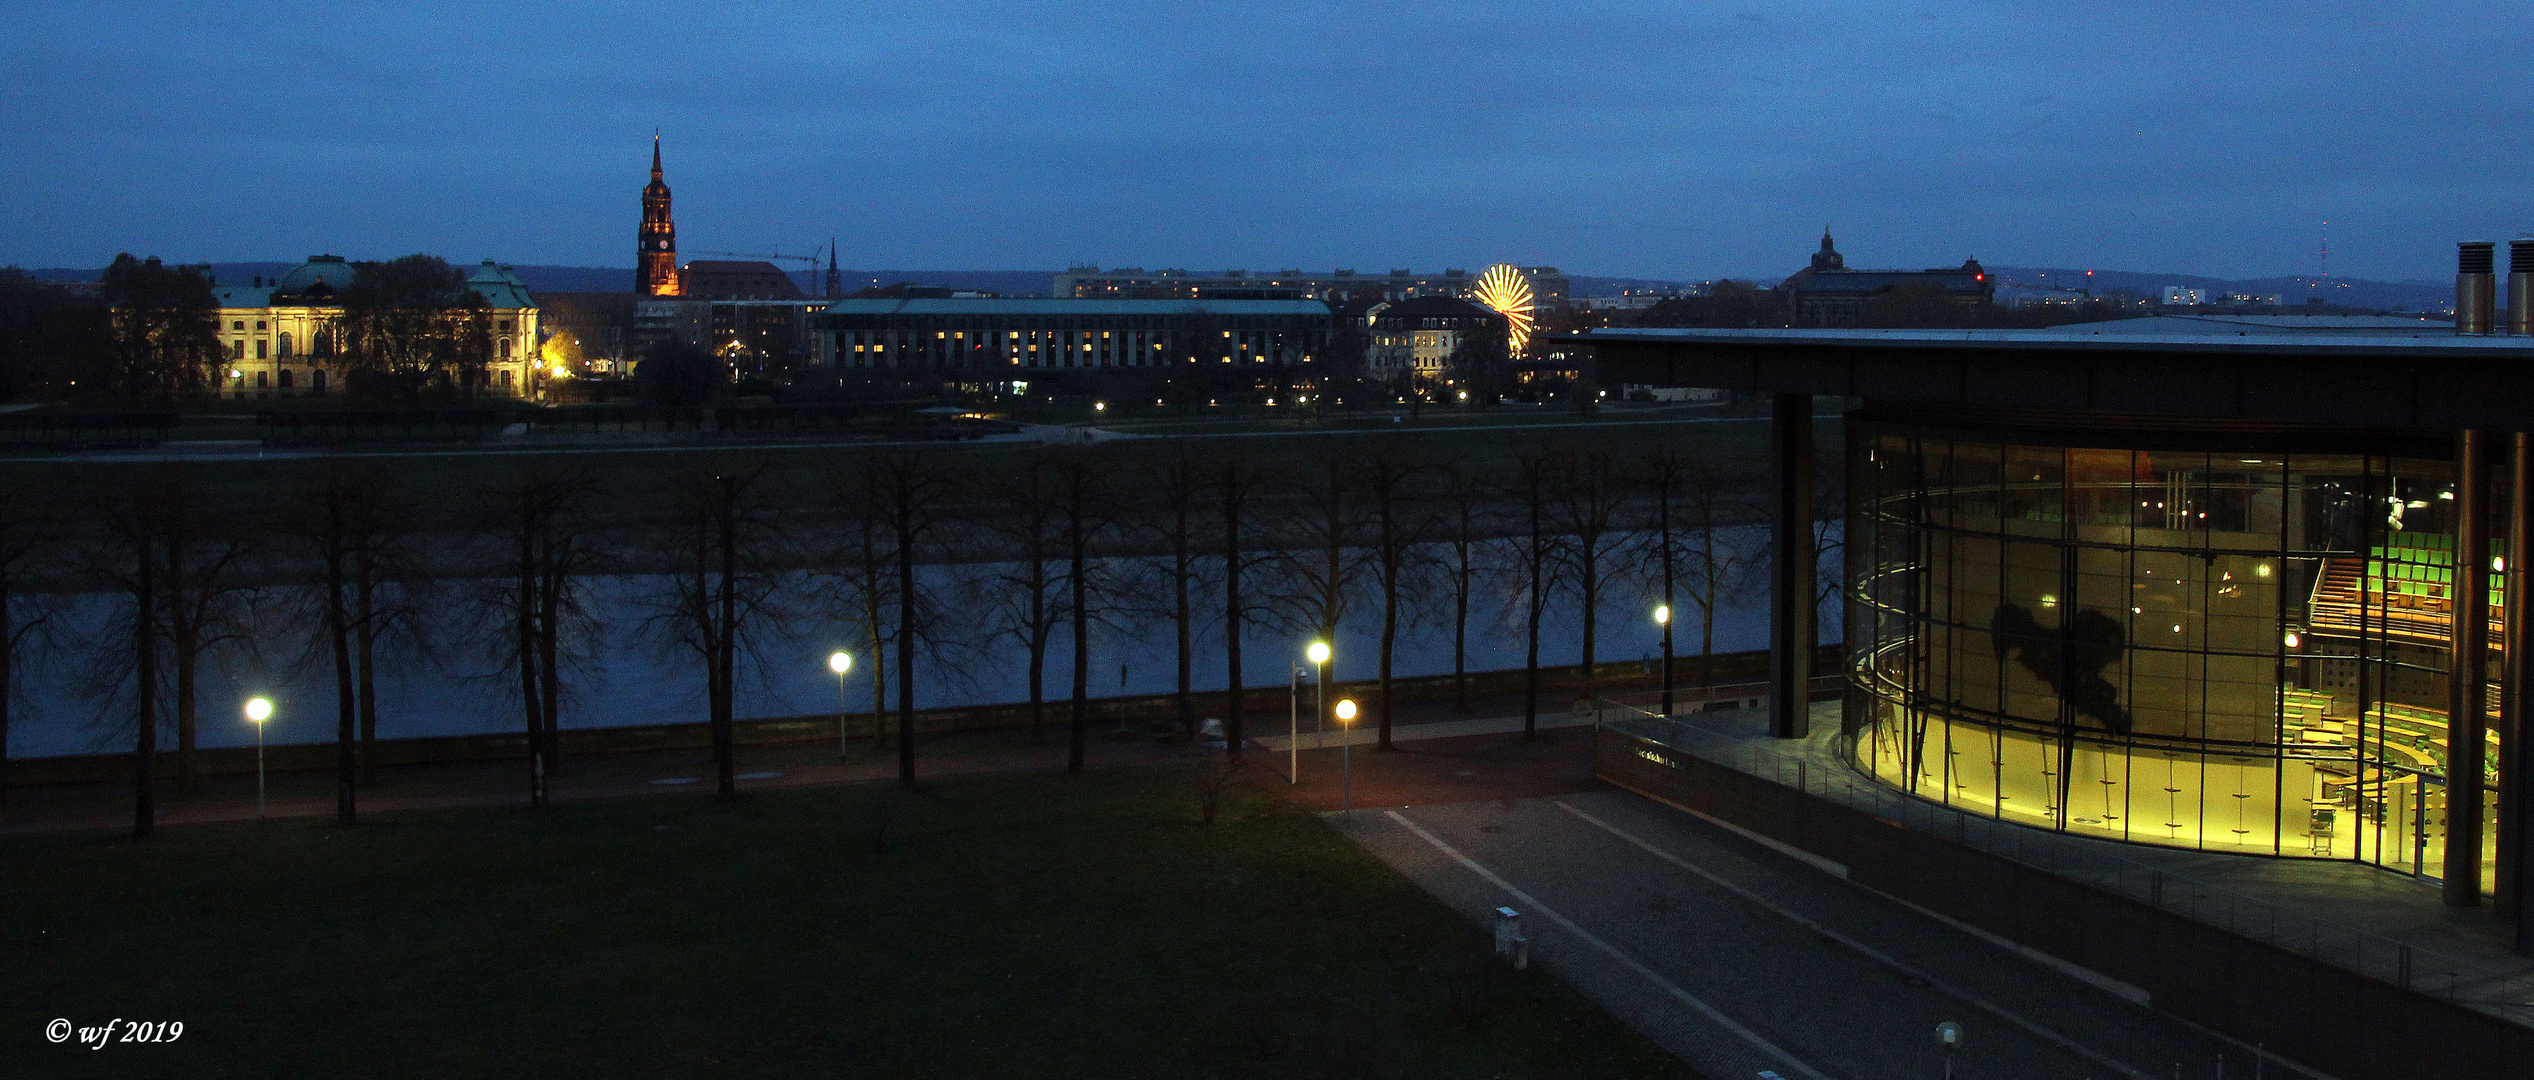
pixel 199 588
pixel 1077 477
pixel 1467 497
pixel 1234 486
pixel 1536 475
pixel 1181 482
pixel 536 594
pixel 722 539
pixel 1589 503
pixel 1030 524
pixel 861 566
pixel 21 536
pixel 1398 530
pixel 911 492
pixel 1715 564
pixel 127 555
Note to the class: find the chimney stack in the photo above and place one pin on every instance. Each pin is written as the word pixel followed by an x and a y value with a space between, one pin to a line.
pixel 2521 286
pixel 2473 270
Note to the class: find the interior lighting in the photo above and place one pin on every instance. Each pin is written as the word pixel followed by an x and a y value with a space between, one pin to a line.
pixel 2292 639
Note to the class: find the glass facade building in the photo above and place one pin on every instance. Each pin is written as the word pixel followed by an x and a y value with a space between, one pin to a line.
pixel 2196 637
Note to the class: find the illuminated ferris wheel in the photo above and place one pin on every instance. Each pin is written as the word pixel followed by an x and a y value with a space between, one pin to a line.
pixel 1503 289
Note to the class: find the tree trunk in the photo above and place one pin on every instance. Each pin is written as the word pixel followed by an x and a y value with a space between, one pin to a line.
pixel 1232 612
pixel 185 637
pixel 871 607
pixel 1390 557
pixel 1182 614
pixel 549 643
pixel 526 630
pixel 1461 583
pixel 905 638
pixel 1081 625
pixel 339 635
pixel 365 641
pixel 1039 628
pixel 145 670
pixel 1531 622
pixel 8 664
pixel 726 645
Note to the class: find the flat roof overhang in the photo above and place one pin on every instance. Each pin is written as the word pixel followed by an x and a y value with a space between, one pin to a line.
pixel 2427 381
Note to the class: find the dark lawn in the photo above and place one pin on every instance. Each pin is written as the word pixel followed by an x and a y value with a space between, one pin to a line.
pixel 1016 926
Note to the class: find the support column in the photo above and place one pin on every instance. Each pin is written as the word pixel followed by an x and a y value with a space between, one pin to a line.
pixel 1792 574
pixel 2516 678
pixel 2466 671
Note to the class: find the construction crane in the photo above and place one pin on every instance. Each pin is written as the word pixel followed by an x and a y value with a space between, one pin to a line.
pixel 833 288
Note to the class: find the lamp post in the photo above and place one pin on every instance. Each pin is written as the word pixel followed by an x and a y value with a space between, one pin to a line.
pixel 1663 618
pixel 1345 716
pixel 1293 727
pixel 259 710
pixel 841 662
pixel 1319 654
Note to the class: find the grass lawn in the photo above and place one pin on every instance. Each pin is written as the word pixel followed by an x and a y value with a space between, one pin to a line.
pixel 1014 926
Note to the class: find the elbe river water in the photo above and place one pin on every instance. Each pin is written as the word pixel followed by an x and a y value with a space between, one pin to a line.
pixel 630 678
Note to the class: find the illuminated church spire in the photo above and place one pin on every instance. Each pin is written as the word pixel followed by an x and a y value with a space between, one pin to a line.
pixel 655 251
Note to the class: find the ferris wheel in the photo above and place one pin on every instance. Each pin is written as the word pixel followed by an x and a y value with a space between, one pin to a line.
pixel 1504 289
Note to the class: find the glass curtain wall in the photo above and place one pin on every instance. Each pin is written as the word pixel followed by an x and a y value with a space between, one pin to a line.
pixel 2229 652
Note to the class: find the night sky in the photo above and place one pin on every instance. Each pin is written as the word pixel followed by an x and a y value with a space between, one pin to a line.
pixel 1674 141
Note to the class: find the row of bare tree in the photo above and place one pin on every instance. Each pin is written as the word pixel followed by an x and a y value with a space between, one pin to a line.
pixel 352 566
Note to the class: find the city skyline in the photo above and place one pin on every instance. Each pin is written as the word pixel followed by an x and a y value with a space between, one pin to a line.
pixel 1060 136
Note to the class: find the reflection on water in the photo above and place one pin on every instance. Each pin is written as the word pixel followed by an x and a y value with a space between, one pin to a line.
pixel 631 680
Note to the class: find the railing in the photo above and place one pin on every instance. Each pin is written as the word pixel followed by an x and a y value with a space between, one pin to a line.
pixel 2508 994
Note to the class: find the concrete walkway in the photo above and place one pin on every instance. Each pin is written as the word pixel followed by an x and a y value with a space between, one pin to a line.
pixel 1748 963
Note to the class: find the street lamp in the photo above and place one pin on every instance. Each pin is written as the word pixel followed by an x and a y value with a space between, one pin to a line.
pixel 1319 654
pixel 841 662
pixel 259 710
pixel 1663 618
pixel 1345 716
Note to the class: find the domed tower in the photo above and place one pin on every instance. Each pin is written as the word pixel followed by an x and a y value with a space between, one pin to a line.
pixel 655 258
pixel 1827 258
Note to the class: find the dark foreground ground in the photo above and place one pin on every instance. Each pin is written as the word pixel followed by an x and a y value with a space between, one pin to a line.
pixel 1015 925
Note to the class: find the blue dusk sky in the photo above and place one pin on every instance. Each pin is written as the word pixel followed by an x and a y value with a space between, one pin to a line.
pixel 1672 141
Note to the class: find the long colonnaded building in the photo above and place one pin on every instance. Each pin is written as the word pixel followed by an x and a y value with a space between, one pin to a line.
pixel 980 338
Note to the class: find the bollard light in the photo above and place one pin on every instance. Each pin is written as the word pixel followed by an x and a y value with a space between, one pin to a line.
pixel 1346 753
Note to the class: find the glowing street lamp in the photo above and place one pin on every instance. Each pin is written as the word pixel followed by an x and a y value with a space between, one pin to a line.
pixel 1345 716
pixel 259 710
pixel 1663 618
pixel 841 662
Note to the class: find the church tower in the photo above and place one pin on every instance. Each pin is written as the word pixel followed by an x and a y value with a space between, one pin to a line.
pixel 655 251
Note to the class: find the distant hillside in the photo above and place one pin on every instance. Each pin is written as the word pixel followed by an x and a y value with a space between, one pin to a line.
pixel 2343 292
pixel 612 279
pixel 2340 292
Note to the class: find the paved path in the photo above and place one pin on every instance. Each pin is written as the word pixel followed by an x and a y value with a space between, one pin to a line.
pixel 1749 963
